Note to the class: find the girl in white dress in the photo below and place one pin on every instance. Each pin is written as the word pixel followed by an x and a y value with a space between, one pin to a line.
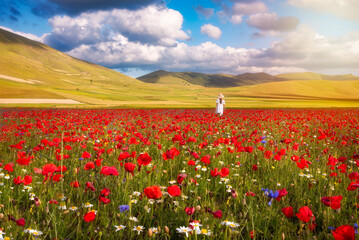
pixel 220 104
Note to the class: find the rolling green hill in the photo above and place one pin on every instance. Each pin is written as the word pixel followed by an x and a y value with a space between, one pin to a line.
pixel 317 76
pixel 208 80
pixel 32 70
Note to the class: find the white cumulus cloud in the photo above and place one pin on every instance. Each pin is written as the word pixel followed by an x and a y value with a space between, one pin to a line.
pixel 154 25
pixel 211 31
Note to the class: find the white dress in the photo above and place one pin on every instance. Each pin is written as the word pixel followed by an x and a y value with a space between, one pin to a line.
pixel 219 108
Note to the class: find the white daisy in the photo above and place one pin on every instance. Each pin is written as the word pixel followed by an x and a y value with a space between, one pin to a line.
pixel 184 230
pixel 139 229
pixel 118 228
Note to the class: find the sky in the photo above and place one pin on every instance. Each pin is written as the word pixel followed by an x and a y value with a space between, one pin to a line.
pixel 136 37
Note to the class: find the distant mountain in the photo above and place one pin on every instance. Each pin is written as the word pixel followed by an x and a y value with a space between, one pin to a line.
pixel 208 80
pixel 317 76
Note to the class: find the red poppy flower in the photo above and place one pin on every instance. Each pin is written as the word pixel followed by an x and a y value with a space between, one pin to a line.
pixel 18 180
pixel 288 212
pixel 189 210
pixel 353 186
pixel 90 216
pixel 248 149
pixel 8 167
pixel 123 155
pixel 89 165
pixel 302 164
pixel 57 178
pixel 282 193
pixel 153 192
pixel 27 180
pixel 144 159
pixel 224 172
pixel 90 186
pixel 268 154
pixel 53 201
pixel 181 177
pixel 105 192
pixel 48 168
pixel 86 155
pixel 170 154
pixel 333 202
pixel 130 167
pixel 344 232
pixel 217 214
pixel 106 170
pixel 305 214
pixel 254 167
pixel 354 176
pixel 205 159
pixel 250 193
pixel 75 184
pixel 23 160
pixel 214 173
pixel 191 163
pixel 174 190
pixel 104 200
pixel 20 222
pixel 191 139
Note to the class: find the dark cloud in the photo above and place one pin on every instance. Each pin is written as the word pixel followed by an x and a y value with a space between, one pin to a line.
pixel 49 8
pixel 13 18
pixel 14 11
pixel 74 7
pixel 9 9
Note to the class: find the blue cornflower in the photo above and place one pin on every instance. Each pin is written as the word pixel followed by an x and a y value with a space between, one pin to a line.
pixel 356 228
pixel 124 208
pixel 331 228
pixel 269 193
pixel 264 141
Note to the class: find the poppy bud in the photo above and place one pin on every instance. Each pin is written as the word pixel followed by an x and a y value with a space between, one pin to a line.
pixel 167 230
pixel 198 207
pixel 164 171
pixel 1 215
pixel 149 232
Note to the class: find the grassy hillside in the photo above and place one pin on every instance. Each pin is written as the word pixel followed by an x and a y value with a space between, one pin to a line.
pixel 29 69
pixel 311 89
pixel 318 76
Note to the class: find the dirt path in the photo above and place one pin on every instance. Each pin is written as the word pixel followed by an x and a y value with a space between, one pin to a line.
pixel 35 101
pixel 29 81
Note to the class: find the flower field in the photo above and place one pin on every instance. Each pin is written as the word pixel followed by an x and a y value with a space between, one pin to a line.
pixel 174 174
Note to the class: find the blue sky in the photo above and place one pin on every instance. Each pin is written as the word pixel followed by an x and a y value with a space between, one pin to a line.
pixel 233 36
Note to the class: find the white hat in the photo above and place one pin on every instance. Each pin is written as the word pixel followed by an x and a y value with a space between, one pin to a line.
pixel 220 95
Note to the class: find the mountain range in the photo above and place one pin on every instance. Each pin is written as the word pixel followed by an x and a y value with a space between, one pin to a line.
pixel 226 80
